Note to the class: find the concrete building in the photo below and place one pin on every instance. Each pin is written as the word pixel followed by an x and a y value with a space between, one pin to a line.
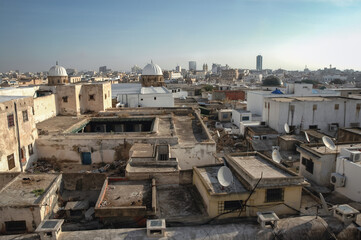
pixel 108 136
pixel 347 173
pixel 324 113
pixel 103 69
pixel 134 95
pixel 317 162
pixel 152 75
pixel 57 75
pixel 229 75
pixel 255 99
pixel 27 200
pixel 259 60
pixel 148 161
pixel 192 65
pixel 279 190
pixel 18 130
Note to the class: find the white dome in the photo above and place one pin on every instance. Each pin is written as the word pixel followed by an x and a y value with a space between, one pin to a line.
pixel 57 71
pixel 152 69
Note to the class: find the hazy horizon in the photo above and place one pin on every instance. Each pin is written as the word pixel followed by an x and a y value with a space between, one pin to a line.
pixel 120 34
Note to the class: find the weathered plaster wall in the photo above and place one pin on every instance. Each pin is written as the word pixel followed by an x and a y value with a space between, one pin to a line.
pixel 44 108
pixel 9 141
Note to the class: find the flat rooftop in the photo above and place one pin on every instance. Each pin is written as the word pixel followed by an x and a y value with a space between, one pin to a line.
pixel 9 98
pixel 256 165
pixel 209 175
pixel 26 189
pixel 262 130
pixel 324 150
pixel 127 193
pixel 142 150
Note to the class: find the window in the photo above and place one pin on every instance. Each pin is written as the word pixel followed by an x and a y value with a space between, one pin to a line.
pixel 314 107
pixel 92 97
pixel 11 161
pixel 228 206
pixel 163 157
pixel 25 116
pixel 155 98
pixel 358 106
pixel 245 118
pixel 292 108
pixel 265 105
pixel 274 195
pixel 11 120
pixel 15 226
pixel 309 166
pixel 65 99
pixel 303 161
pixel 312 126
pixel 105 96
pixel 337 106
pixel 30 149
pixel 79 97
pixel 141 99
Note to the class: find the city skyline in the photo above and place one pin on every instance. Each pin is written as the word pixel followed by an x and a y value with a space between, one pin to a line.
pixel 87 34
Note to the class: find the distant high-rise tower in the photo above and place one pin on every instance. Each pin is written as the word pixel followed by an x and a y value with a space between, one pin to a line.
pixel 205 67
pixel 178 68
pixel 192 65
pixel 259 63
pixel 103 69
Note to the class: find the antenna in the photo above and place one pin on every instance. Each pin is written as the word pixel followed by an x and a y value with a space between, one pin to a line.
pixel 276 156
pixel 225 177
pixel 307 137
pixel 287 128
pixel 328 143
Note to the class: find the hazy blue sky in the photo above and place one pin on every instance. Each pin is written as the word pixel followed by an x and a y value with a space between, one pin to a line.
pixel 87 34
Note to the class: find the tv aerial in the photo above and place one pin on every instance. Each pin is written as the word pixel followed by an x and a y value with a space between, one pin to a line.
pixel 287 128
pixel 328 143
pixel 276 156
pixel 225 177
pixel 307 137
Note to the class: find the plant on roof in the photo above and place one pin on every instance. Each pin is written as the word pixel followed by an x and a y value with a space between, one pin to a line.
pixel 38 192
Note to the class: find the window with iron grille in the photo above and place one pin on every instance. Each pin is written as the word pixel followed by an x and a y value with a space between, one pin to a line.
pixel 65 99
pixel 92 97
pixel 274 195
pixel 25 116
pixel 309 166
pixel 11 122
pixel 11 161
pixel 228 206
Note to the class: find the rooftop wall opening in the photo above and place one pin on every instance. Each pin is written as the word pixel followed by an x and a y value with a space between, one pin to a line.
pixel 116 125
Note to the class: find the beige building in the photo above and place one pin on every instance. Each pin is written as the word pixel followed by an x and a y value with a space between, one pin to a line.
pixel 76 99
pixel 152 75
pixel 18 131
pixel 229 75
pixel 108 136
pixel 27 200
pixel 279 190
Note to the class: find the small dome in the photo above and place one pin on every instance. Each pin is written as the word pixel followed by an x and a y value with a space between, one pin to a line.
pixel 152 69
pixel 57 71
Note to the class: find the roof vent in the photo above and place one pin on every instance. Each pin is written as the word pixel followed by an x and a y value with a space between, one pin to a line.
pixel 156 228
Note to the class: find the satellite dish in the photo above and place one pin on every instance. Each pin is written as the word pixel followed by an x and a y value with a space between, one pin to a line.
pixel 225 177
pixel 276 156
pixel 287 128
pixel 307 137
pixel 328 143
pixel 324 205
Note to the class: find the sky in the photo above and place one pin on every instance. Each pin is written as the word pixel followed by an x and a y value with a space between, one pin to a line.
pixel 87 34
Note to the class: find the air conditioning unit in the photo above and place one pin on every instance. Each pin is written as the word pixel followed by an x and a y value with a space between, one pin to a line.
pixel 338 180
pixel 332 127
pixel 355 157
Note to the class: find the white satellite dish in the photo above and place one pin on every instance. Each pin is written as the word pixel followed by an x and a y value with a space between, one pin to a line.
pixel 287 128
pixel 328 143
pixel 276 156
pixel 324 205
pixel 225 177
pixel 307 137
pixel 218 134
